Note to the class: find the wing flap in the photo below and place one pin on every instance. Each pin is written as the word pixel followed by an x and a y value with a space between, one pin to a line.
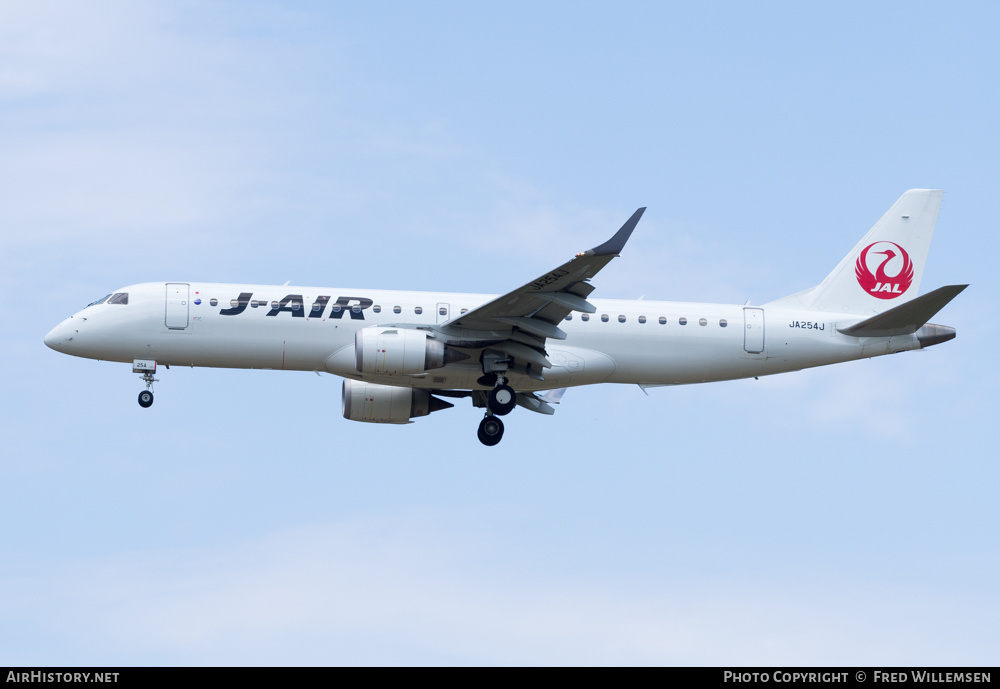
pixel 525 353
pixel 567 300
pixel 535 326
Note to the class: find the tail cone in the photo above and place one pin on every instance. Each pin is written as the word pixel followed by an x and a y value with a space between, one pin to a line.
pixel 930 335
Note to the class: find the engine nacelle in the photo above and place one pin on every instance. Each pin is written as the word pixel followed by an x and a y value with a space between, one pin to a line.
pixel 387 403
pixel 393 351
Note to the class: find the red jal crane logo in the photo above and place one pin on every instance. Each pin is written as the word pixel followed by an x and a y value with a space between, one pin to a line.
pixel 880 284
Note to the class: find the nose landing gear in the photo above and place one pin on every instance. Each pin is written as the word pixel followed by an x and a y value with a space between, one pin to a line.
pixel 147 369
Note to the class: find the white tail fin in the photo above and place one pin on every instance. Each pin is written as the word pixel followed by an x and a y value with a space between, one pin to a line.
pixel 884 269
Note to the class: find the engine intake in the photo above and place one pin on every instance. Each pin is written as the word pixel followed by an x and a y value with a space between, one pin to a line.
pixel 387 403
pixel 400 351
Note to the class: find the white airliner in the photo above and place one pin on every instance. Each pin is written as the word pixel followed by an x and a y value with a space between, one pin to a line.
pixel 400 353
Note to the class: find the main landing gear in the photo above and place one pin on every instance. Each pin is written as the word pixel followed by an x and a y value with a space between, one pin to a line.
pixel 490 430
pixel 500 401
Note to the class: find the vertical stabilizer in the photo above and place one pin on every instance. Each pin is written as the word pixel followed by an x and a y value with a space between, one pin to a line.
pixel 884 269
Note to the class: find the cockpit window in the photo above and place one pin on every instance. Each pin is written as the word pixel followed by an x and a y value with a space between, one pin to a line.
pixel 119 298
pixel 99 301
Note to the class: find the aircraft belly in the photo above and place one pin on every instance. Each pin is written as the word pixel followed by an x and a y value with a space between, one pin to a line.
pixel 679 358
pixel 578 366
pixel 204 344
pixel 698 358
pixel 216 352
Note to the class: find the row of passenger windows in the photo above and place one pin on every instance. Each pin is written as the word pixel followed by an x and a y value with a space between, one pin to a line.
pixel 442 311
pixel 294 306
pixel 336 308
pixel 642 319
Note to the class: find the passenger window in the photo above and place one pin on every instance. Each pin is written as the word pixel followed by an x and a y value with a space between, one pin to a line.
pixel 569 317
pixel 336 308
pixel 213 302
pixel 418 310
pixel 463 311
pixel 275 304
pixel 621 319
pixel 377 308
pixel 723 323
pixel 702 321
pixel 584 316
pixel 663 320
pixel 119 298
pixel 682 320
pixel 443 311
pixel 604 317
pixel 642 319
pixel 396 309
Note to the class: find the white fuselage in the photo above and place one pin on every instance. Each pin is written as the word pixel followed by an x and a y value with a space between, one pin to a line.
pixel 295 328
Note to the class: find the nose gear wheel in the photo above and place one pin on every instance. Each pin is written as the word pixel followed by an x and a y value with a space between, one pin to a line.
pixel 146 396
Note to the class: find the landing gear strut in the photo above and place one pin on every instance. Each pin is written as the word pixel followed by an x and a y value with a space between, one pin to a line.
pixel 146 396
pixel 490 430
pixel 147 369
pixel 500 400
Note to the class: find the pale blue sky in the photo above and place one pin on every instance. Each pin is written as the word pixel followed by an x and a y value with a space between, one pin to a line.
pixel 844 515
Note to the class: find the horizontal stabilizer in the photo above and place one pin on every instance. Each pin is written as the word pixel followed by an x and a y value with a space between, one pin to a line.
pixel 906 318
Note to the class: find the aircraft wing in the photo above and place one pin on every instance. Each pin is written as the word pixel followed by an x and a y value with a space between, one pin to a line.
pixel 537 307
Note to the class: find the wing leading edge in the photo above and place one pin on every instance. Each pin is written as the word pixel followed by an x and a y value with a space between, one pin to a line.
pixel 516 325
pixel 536 307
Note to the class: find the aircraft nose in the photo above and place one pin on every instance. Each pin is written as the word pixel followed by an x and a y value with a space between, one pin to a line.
pixel 52 338
pixel 58 337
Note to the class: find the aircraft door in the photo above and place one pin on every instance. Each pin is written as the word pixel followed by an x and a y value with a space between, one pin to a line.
pixel 177 305
pixel 443 311
pixel 753 334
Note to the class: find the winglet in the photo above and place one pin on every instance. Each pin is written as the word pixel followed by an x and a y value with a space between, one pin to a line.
pixel 614 246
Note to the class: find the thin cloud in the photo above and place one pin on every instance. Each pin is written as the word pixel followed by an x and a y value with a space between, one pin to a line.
pixel 415 584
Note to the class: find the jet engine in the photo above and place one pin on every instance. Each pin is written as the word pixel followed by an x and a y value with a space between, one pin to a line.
pixel 399 351
pixel 387 403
